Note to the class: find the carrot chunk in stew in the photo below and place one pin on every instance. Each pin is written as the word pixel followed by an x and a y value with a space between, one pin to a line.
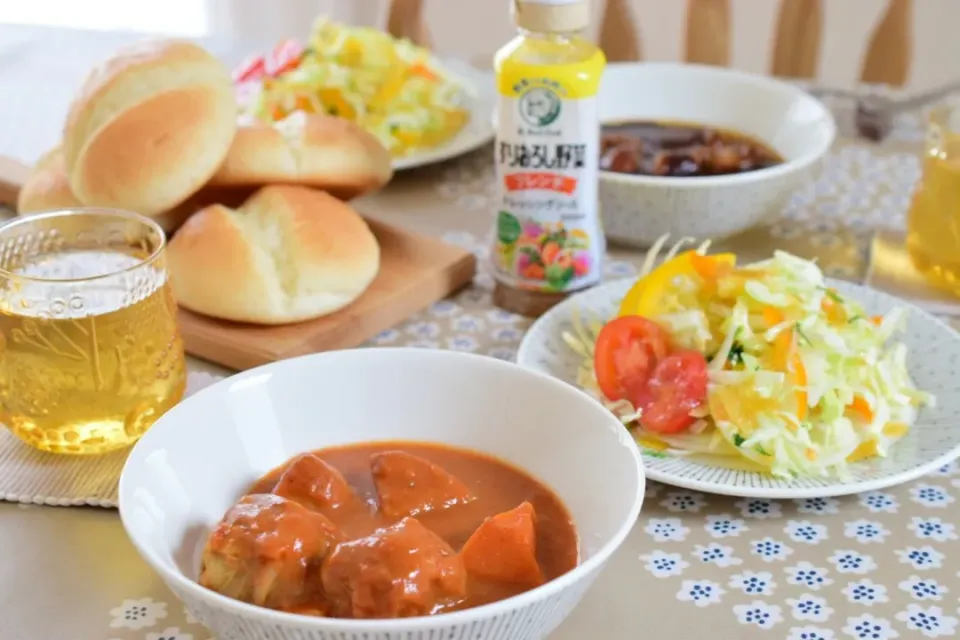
pixel 408 485
pixel 504 548
pixel 315 484
pixel 267 550
pixel 398 571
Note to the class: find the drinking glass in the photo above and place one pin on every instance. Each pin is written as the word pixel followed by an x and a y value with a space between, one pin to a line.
pixel 90 352
pixel 933 222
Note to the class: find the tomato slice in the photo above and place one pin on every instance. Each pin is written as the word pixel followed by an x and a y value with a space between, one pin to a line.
pixel 285 56
pixel 628 348
pixel 253 68
pixel 677 386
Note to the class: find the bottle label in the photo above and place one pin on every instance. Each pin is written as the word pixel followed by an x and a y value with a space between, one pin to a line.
pixel 548 235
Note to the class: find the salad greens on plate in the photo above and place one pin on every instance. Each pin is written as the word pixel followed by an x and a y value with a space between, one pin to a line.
pixel 760 367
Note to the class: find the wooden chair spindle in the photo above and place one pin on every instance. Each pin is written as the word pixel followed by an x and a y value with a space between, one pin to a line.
pixel 619 37
pixel 708 32
pixel 796 45
pixel 889 54
pixel 405 20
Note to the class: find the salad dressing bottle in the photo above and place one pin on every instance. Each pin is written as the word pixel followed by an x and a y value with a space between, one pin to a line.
pixel 548 240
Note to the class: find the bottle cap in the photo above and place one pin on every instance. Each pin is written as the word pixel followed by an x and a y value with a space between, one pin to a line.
pixel 552 15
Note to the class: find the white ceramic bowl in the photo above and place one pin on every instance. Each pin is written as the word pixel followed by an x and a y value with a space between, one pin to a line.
pixel 199 457
pixel 637 210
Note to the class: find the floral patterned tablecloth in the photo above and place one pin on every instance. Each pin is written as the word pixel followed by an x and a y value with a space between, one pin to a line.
pixel 873 566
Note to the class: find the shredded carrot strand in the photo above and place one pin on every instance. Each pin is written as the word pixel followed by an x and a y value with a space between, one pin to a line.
pixel 862 407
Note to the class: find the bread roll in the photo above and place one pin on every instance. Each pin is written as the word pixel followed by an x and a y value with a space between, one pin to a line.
pixel 149 127
pixel 47 188
pixel 287 254
pixel 326 152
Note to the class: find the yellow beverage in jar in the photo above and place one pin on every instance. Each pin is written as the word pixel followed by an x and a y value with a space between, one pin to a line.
pixel 933 222
pixel 90 353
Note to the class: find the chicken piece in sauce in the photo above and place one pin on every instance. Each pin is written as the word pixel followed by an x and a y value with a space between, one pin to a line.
pixel 268 551
pixel 314 484
pixel 408 485
pixel 321 487
pixel 504 548
pixel 399 571
pixel 678 150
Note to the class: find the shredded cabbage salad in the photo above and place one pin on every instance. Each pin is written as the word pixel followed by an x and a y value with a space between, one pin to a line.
pixel 801 381
pixel 392 88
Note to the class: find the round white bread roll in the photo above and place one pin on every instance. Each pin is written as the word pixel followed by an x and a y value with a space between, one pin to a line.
pixel 326 152
pixel 47 189
pixel 149 127
pixel 287 254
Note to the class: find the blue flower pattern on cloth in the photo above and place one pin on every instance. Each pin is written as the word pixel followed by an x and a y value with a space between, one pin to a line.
pixel 931 496
pixel 759 509
pixel 770 550
pixel 810 633
pixel 759 614
pixel 865 592
pixel 948 470
pixel 663 564
pixel 702 593
pixel 462 343
pixel 921 557
pixel 752 583
pixel 666 529
pixel 932 622
pixel 724 526
pixel 879 502
pixel 932 529
pixel 868 627
pixel 806 532
pixel 817 506
pixel 808 575
pixel 683 501
pixel 809 607
pixel 847 561
pixel 716 554
pixel 445 308
pixel 923 588
pixel 865 531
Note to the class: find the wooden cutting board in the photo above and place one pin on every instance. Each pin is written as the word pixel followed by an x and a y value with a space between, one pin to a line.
pixel 415 271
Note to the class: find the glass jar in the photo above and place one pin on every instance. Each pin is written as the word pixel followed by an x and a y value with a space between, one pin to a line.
pixel 90 352
pixel 933 222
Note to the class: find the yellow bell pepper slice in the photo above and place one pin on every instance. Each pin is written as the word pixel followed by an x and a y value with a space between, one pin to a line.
pixel 869 449
pixel 644 297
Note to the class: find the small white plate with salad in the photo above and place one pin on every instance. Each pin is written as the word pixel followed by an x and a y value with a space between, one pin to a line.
pixel 761 380
pixel 422 110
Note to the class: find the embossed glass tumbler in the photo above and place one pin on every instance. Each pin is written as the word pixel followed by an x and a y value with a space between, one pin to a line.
pixel 90 352
pixel 933 222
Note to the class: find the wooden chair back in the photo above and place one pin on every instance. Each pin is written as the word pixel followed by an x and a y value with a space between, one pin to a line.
pixel 797 38
pixel 796 45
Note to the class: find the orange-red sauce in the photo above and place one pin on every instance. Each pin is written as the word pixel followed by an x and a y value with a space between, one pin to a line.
pixel 488 486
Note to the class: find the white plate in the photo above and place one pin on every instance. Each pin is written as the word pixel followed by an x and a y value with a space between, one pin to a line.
pixel 933 362
pixel 477 132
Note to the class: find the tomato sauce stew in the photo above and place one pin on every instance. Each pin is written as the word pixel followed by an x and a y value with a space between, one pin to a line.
pixel 677 149
pixel 387 530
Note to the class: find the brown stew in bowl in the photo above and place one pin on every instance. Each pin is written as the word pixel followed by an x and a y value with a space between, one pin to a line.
pixel 389 530
pixel 675 149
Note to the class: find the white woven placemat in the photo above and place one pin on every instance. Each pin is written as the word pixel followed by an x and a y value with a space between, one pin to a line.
pixel 31 476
